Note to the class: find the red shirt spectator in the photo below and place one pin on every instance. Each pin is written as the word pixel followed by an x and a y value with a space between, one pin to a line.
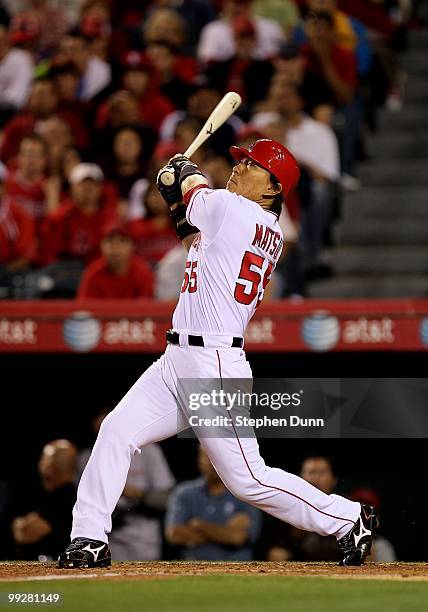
pixel 343 60
pixel 28 195
pixel 26 184
pixel 153 238
pixel 99 281
pixel 76 228
pixel 17 235
pixel 139 79
pixel 119 273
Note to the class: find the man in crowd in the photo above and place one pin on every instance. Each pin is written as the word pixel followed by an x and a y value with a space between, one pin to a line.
pixel 118 273
pixel 26 185
pixel 39 534
pixel 73 233
pixel 208 522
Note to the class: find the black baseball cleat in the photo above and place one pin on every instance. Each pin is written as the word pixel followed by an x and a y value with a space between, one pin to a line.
pixel 356 544
pixel 83 552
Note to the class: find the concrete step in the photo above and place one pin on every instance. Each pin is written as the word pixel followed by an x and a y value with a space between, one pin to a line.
pixel 413 116
pixel 399 143
pixel 416 89
pixel 415 62
pixel 370 260
pixel 403 172
pixel 386 202
pixel 378 231
pixel 418 40
pixel 391 286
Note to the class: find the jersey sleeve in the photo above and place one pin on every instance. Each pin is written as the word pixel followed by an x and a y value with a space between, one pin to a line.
pixel 206 209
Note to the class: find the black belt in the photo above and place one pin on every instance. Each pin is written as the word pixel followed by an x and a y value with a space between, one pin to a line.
pixel 174 338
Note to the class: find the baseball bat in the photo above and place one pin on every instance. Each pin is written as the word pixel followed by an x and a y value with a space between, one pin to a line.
pixel 224 109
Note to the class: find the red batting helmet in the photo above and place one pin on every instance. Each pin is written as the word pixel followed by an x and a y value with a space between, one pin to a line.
pixel 273 157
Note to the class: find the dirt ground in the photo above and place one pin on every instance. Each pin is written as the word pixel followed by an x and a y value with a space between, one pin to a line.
pixel 162 569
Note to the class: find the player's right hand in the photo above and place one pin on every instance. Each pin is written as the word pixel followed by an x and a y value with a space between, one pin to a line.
pixel 184 167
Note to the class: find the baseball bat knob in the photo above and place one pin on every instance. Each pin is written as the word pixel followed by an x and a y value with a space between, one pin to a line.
pixel 167 178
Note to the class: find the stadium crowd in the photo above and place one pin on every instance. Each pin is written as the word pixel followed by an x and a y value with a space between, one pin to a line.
pixel 97 95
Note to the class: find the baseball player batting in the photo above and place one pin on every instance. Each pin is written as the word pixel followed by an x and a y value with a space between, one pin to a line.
pixel 234 241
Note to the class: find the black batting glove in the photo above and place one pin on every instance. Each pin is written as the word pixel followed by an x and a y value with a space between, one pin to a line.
pixel 184 167
pixel 171 193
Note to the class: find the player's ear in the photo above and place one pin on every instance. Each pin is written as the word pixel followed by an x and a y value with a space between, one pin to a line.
pixel 273 189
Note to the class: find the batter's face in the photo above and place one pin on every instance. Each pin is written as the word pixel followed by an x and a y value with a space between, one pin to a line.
pixel 252 181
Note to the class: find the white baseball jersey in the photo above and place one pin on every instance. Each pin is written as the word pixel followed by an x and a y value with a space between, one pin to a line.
pixel 229 263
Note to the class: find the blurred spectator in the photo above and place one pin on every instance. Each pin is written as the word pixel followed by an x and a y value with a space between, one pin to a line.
pixel 75 229
pixel 119 273
pixel 73 233
pixel 207 522
pixel 16 73
pixel 66 77
pixel 39 27
pixel 216 42
pixel 196 13
pixel 349 33
pixel 136 533
pixel 382 550
pixel 95 73
pixel 154 235
pixel 200 105
pixel 169 274
pixel 173 75
pixel 121 110
pixel 284 12
pixel 139 79
pixel 26 185
pixel 42 104
pixel 218 170
pixel 325 58
pixel 17 239
pixel 126 168
pixel 41 533
pixel 290 69
pixel 58 137
pixel 243 72
pixel 95 26
pixel 166 25
pixel 185 133
pixel 291 544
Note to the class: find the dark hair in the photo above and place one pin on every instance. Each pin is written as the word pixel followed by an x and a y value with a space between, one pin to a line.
pixel 328 459
pixel 319 16
pixel 278 199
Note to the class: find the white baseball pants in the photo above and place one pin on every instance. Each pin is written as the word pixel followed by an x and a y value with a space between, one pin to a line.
pixel 148 413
